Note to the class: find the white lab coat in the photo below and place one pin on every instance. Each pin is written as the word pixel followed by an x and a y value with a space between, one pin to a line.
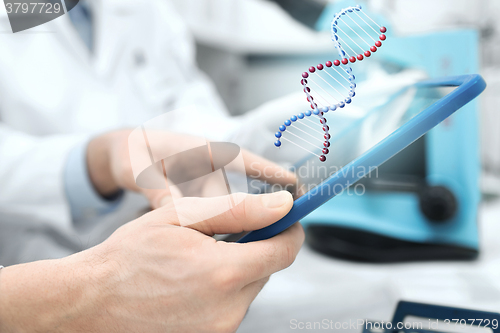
pixel 54 94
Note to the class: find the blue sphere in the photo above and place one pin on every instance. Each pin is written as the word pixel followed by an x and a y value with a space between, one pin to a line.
pixel 348 100
pixel 316 111
pixel 352 94
pixel 293 118
pixel 308 113
pixel 301 115
pixel 325 109
pixel 333 107
pixel 282 128
pixel 288 122
pixel 278 135
pixel 277 143
pixel 341 104
pixel 335 30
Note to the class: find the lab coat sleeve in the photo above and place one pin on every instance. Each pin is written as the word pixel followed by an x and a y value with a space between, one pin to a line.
pixel 84 201
pixel 31 177
pixel 175 39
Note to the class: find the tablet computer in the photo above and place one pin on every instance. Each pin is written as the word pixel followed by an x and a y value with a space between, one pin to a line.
pixel 372 140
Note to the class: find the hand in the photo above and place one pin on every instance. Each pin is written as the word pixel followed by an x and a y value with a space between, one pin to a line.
pixel 110 168
pixel 153 275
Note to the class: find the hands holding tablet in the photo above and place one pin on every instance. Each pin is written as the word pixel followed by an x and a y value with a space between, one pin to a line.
pixel 154 275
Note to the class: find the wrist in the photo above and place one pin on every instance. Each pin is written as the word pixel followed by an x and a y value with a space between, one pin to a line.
pixel 99 166
pixel 47 296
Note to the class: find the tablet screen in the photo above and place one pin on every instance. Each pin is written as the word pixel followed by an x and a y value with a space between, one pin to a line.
pixel 352 140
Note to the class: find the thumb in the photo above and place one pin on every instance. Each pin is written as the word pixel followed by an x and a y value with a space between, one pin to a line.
pixel 233 213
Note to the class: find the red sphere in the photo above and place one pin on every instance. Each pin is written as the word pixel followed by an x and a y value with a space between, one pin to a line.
pixel 305 75
pixel 320 66
pixel 310 98
pixel 352 59
pixel 325 151
pixel 321 113
pixel 378 43
pixel 360 57
pixel 312 69
pixel 326 128
pixel 367 54
pixel 373 49
pixel 326 144
pixel 328 64
pixel 336 63
pixel 303 81
pixel 383 30
pixel 322 158
pixel 327 136
pixel 344 61
pixel 307 89
pixel 322 121
pixel 382 37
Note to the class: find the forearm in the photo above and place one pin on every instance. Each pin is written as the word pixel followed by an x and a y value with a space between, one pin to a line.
pixel 47 296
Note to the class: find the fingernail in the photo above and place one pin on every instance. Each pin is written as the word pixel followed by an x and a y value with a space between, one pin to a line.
pixel 277 199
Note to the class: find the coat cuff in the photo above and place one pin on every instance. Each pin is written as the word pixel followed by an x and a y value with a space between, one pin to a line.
pixel 84 201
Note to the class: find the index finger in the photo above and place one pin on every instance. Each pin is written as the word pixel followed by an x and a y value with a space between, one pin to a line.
pixel 257 260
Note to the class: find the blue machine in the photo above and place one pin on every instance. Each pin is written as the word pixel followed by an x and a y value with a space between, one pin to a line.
pixel 394 223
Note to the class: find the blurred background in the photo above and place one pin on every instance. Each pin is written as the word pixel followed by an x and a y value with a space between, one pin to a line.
pixel 437 244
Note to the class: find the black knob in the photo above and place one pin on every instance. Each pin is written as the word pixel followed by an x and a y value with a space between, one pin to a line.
pixel 438 203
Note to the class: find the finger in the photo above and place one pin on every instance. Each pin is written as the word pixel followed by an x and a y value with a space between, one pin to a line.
pixel 157 198
pixel 263 169
pixel 233 213
pixel 257 260
pixel 163 197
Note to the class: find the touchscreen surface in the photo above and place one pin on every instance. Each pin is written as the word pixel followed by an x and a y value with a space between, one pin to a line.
pixel 364 133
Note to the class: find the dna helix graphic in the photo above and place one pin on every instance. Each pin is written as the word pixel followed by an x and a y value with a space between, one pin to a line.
pixel 332 86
